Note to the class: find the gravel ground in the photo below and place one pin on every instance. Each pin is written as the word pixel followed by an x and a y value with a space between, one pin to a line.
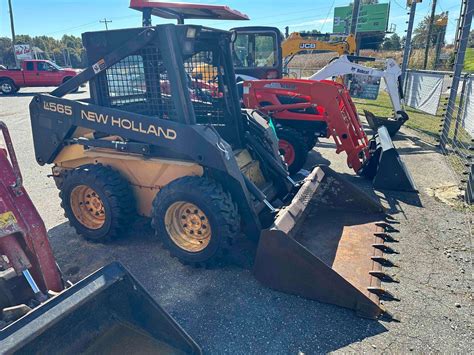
pixel 227 311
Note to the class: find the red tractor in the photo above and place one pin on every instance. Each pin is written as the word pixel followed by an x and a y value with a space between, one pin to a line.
pixel 303 110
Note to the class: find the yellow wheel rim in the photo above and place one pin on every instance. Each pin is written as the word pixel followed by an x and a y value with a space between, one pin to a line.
pixel 87 207
pixel 188 226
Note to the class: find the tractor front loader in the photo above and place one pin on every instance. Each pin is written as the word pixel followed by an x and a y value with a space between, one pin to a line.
pixel 107 312
pixel 151 142
pixel 304 110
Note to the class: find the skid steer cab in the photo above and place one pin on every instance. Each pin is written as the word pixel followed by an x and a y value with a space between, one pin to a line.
pixel 152 141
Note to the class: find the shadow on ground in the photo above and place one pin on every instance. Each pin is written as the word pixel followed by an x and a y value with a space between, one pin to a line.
pixel 224 309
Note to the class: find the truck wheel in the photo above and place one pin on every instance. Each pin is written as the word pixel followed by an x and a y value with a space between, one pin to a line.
pixel 294 148
pixel 196 220
pixel 98 202
pixel 7 87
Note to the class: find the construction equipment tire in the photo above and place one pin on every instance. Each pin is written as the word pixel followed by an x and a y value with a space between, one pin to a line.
pixel 98 202
pixel 294 148
pixel 311 140
pixel 196 220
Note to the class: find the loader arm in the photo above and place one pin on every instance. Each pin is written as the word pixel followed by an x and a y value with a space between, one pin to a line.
pixel 391 74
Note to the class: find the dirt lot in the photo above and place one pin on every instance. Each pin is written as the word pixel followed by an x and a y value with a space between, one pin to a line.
pixel 227 311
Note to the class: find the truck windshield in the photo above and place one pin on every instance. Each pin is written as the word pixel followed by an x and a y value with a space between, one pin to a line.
pixel 255 50
pixel 54 65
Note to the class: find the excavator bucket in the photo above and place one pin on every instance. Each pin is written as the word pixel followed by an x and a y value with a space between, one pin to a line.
pixel 328 245
pixel 108 312
pixel 375 122
pixel 386 167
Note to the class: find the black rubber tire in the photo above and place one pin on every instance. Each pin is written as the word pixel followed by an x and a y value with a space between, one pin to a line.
pixel 311 140
pixel 14 89
pixel 217 205
pixel 299 144
pixel 115 193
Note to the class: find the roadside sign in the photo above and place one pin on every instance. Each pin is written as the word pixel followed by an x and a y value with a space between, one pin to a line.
pixel 372 18
pixel 23 52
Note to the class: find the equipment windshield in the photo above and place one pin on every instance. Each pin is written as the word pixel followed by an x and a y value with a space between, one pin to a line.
pixel 255 50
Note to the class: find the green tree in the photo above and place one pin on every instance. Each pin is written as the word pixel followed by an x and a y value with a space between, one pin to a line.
pixel 421 32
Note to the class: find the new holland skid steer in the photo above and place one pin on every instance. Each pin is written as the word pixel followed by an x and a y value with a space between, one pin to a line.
pixel 205 171
pixel 108 312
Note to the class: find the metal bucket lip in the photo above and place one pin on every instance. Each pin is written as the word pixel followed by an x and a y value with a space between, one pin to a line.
pixel 17 334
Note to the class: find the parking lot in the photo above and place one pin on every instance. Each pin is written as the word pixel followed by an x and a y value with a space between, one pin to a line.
pixel 227 311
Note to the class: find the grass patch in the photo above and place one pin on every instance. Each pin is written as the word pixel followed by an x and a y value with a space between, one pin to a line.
pixel 469 61
pixel 420 121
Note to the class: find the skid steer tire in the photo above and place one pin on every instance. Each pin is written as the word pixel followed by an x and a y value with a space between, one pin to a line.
pixel 109 196
pixel 294 148
pixel 196 220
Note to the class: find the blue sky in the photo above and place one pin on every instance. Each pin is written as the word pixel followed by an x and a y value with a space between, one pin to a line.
pixel 58 17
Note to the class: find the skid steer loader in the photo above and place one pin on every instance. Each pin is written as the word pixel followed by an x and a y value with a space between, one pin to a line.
pixel 205 171
pixel 107 312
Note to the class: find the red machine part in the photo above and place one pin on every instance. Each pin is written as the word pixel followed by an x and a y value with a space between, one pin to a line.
pixel 23 236
pixel 313 101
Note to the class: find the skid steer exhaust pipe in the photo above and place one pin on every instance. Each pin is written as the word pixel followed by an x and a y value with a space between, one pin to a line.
pixel 327 246
pixel 108 312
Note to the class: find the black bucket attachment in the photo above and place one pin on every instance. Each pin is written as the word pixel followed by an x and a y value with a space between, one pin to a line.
pixel 327 245
pixel 393 126
pixel 108 312
pixel 387 167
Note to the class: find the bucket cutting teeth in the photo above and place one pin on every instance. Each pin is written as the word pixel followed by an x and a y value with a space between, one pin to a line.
pixel 387 227
pixel 383 261
pixel 386 249
pixel 382 276
pixel 386 237
pixel 383 294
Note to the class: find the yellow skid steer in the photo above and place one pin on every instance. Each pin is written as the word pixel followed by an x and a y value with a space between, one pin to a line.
pixel 153 141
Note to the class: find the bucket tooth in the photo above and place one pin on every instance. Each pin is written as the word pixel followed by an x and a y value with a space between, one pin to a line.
pixel 386 237
pixel 382 293
pixel 383 261
pixel 387 227
pixel 320 245
pixel 392 173
pixel 384 248
pixel 382 276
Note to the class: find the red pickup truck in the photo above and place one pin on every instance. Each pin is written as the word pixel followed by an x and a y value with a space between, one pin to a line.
pixel 33 73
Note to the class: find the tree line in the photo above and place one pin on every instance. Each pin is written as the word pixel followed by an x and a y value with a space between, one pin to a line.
pixel 65 51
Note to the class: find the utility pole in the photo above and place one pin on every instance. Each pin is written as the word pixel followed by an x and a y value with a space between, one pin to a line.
pixel 106 22
pixel 354 22
pixel 12 24
pixel 407 49
pixel 430 31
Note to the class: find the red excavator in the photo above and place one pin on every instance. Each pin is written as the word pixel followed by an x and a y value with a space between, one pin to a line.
pixel 106 312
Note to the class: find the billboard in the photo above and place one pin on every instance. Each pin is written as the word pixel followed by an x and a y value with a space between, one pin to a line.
pixel 23 52
pixel 372 18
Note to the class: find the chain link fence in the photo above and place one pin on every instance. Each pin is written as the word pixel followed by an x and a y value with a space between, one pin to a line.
pixel 458 140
